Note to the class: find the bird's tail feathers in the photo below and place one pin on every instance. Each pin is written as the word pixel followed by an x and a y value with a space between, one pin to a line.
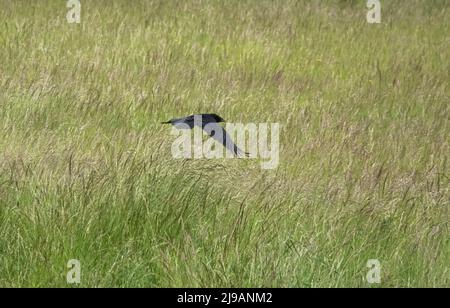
pixel 239 153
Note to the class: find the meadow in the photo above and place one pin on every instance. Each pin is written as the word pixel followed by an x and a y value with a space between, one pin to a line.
pixel 86 170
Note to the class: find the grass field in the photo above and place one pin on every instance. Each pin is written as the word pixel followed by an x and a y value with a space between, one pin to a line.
pixel 86 170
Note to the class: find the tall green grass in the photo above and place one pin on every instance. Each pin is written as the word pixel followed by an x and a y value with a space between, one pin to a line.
pixel 86 171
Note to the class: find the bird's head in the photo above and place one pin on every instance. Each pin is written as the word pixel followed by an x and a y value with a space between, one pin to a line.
pixel 217 118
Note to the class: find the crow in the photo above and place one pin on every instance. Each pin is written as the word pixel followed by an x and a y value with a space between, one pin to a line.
pixel 209 122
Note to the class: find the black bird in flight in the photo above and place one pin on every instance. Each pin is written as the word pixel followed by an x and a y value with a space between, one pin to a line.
pixel 210 124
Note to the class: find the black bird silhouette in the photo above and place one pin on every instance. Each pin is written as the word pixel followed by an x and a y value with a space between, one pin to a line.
pixel 209 123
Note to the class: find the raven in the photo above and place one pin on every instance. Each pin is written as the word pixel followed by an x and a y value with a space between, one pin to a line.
pixel 209 122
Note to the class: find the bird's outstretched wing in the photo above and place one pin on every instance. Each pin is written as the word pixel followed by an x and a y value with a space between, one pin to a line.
pixel 218 133
pixel 182 123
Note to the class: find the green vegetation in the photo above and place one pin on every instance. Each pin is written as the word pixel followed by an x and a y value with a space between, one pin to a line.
pixel 86 170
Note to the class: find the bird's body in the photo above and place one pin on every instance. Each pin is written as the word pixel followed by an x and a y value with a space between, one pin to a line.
pixel 210 124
